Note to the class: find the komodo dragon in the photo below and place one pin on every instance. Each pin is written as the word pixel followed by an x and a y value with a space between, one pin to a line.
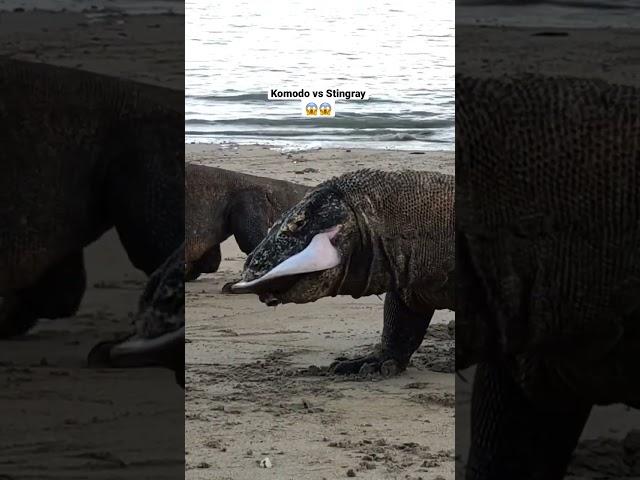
pixel 158 337
pixel 364 233
pixel 221 203
pixel 548 264
pixel 79 154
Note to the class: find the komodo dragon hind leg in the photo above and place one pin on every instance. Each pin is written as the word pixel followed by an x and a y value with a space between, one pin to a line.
pixel 249 220
pixel 56 294
pixel 511 438
pixel 207 263
pixel 402 334
pixel 210 261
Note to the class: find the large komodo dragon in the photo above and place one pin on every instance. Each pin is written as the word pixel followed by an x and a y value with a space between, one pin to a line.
pixel 159 327
pixel 365 233
pixel 548 264
pixel 221 203
pixel 81 153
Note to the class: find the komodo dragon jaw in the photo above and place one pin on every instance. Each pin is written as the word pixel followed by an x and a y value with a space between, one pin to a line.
pixel 319 255
pixel 304 255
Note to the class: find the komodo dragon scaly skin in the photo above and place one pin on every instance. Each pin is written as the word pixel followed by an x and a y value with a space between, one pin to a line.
pixel 221 203
pixel 79 154
pixel 548 250
pixel 364 233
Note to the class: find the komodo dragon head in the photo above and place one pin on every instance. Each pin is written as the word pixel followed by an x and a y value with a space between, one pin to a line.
pixel 304 256
pixel 366 232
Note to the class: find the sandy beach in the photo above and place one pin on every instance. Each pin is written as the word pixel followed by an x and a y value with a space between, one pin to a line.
pixel 250 391
pixel 60 419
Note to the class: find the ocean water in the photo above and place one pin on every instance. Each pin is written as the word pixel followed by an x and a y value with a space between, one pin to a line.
pixel 551 13
pixel 401 52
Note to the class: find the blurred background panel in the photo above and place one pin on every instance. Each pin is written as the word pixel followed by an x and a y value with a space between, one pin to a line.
pixel 584 40
pixel 62 419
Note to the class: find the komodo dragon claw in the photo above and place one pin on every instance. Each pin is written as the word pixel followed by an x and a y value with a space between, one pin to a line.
pixel 374 363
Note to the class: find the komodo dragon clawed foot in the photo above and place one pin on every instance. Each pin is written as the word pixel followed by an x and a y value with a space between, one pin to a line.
pixel 377 362
pixel 402 334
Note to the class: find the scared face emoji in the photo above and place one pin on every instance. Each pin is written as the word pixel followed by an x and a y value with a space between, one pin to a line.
pixel 325 109
pixel 311 109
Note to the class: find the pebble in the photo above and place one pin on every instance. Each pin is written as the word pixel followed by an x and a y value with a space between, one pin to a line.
pixel 265 463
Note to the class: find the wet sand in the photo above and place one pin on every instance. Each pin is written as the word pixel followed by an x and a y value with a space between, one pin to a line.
pixel 250 392
pixel 61 420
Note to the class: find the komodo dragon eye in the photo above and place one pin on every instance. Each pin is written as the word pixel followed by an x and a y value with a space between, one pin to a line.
pixel 295 223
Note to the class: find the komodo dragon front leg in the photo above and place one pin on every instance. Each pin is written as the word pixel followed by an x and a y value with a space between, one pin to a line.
pixel 402 333
pixel 512 437
pixel 56 294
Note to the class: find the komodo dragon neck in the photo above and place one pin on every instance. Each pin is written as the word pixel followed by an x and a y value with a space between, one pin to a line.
pixel 405 224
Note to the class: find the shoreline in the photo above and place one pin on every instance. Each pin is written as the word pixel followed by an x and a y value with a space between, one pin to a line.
pixel 312 166
pixel 203 146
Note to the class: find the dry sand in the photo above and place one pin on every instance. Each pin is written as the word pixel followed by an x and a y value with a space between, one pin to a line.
pixel 61 420
pixel 610 54
pixel 249 395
